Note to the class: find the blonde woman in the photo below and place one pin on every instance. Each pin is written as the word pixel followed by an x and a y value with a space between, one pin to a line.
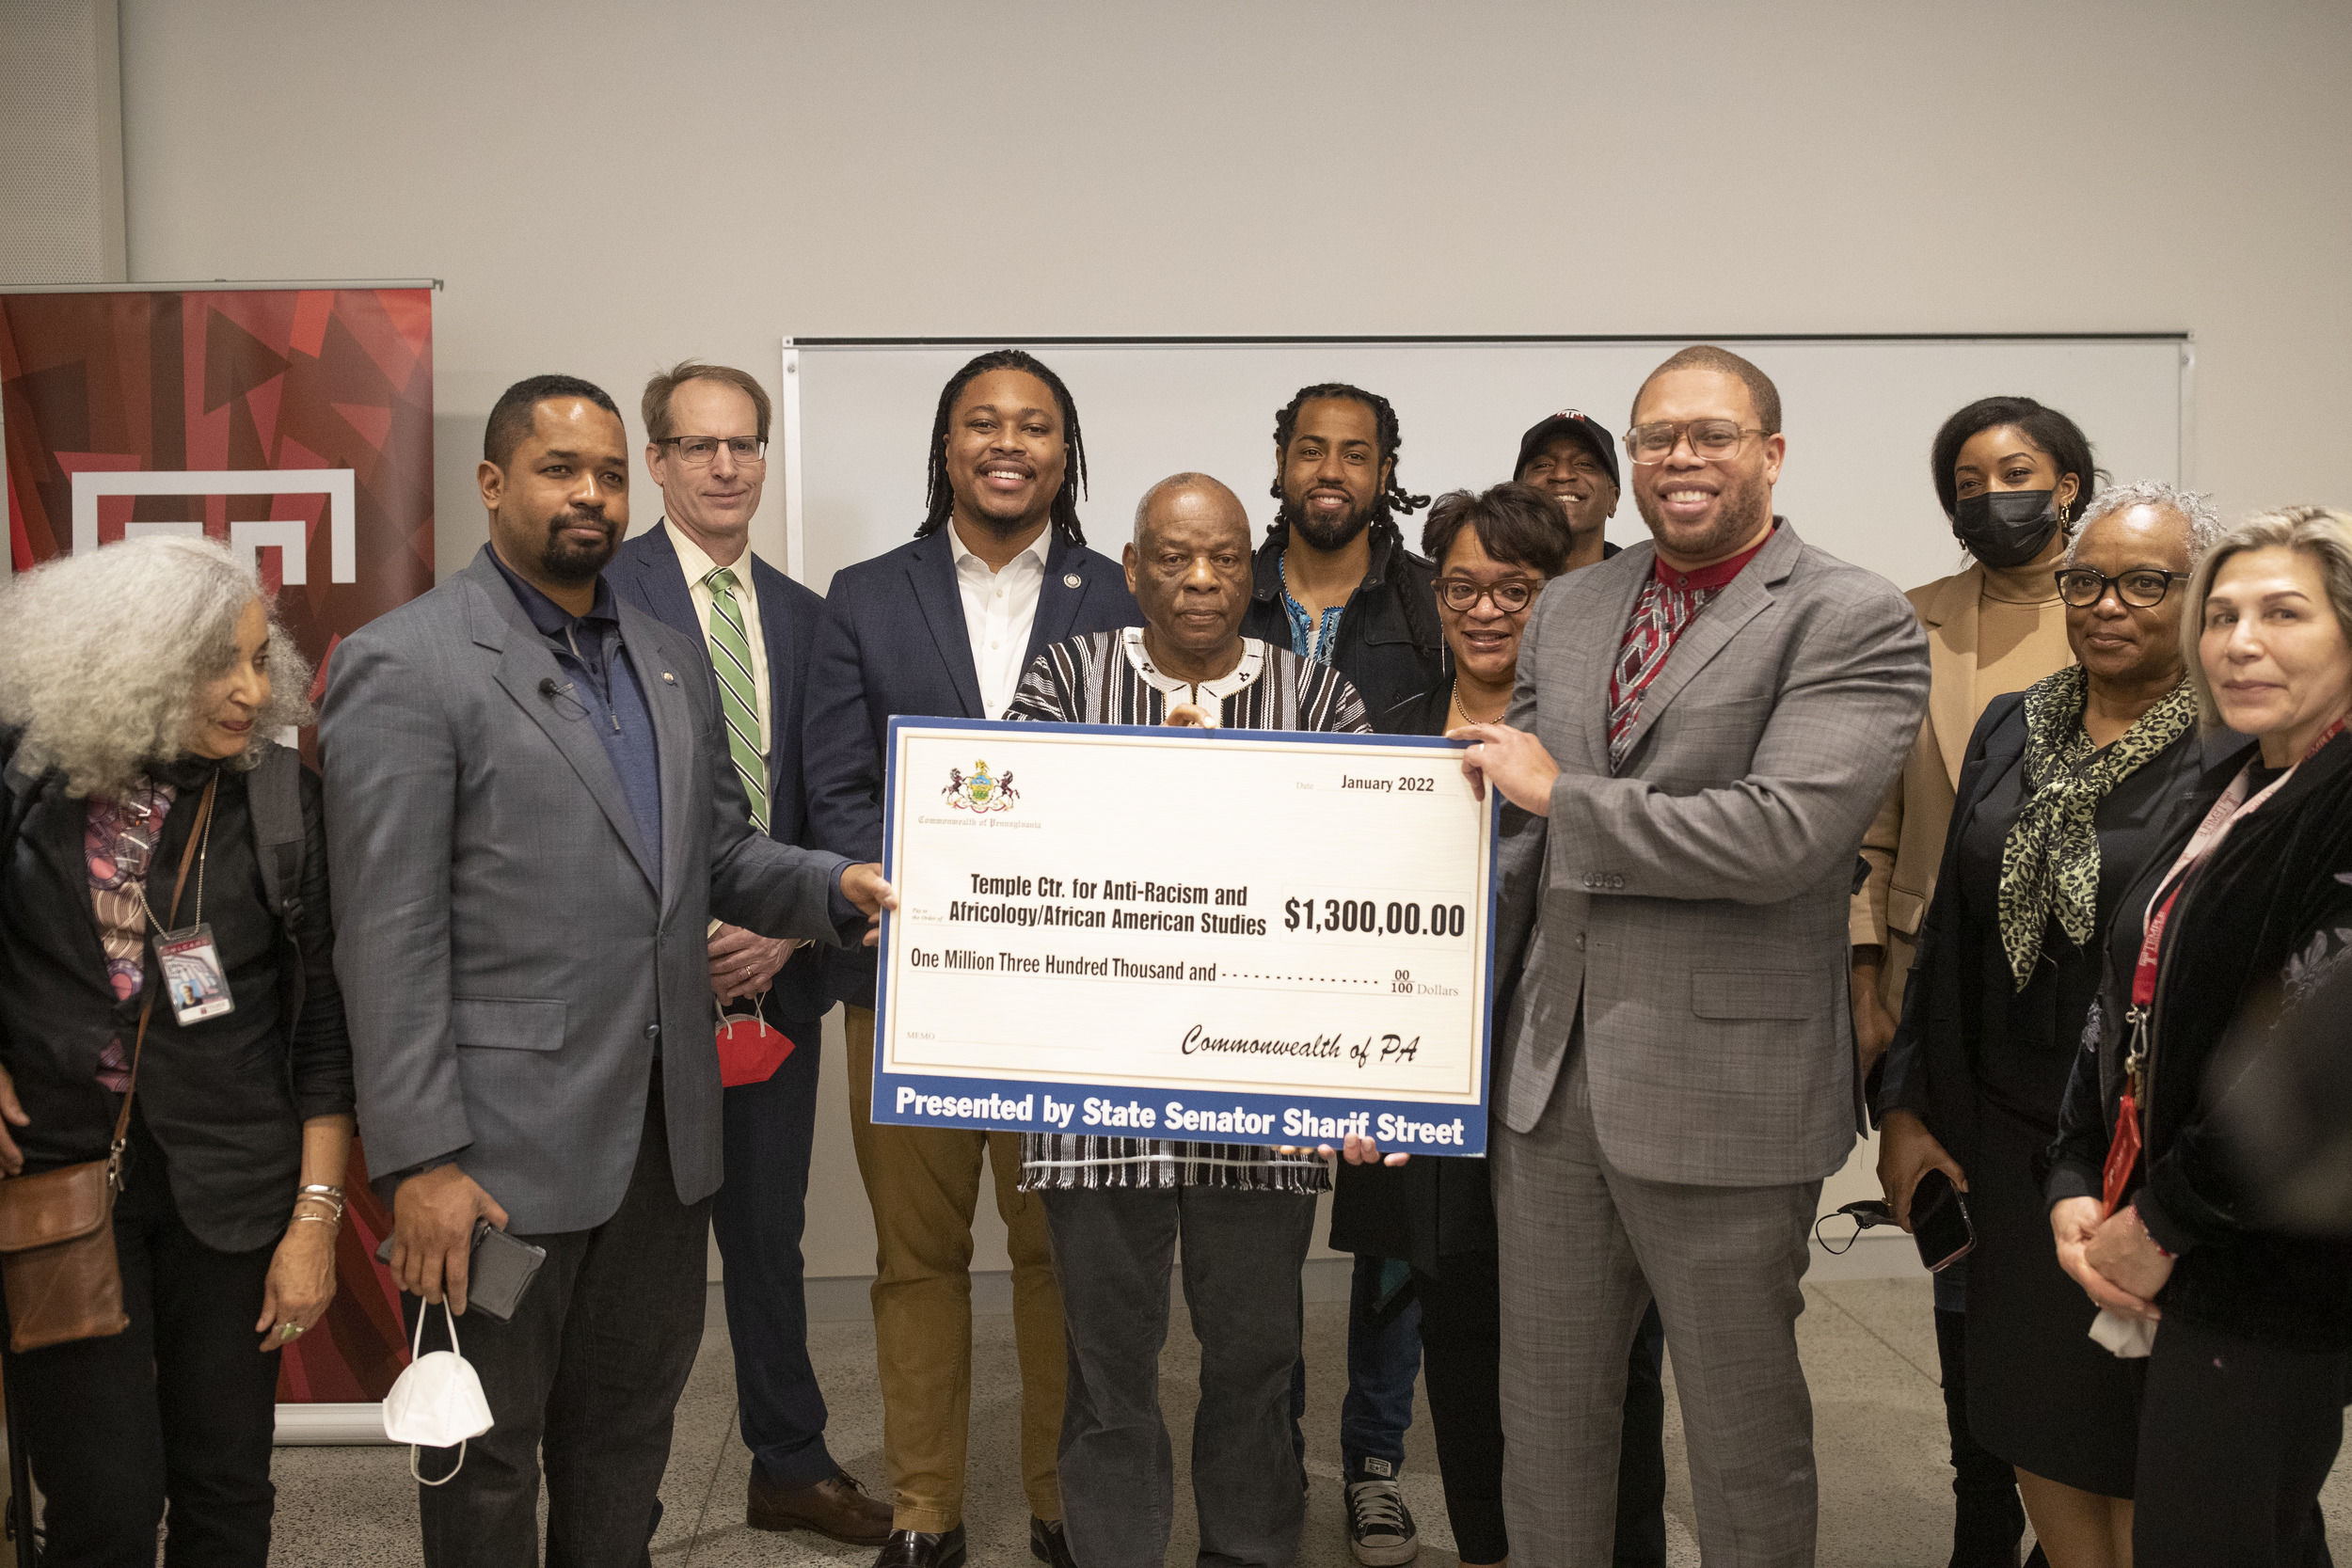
pixel 141 690
pixel 2245 909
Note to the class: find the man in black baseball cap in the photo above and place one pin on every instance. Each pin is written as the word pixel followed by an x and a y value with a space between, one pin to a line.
pixel 1569 457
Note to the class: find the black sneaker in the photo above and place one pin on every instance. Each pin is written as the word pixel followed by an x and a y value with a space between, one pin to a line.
pixel 1380 1527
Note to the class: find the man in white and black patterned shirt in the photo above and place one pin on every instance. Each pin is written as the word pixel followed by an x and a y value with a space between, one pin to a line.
pixel 1117 1206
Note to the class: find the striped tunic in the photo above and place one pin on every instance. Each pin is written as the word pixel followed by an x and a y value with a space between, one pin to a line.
pixel 1106 677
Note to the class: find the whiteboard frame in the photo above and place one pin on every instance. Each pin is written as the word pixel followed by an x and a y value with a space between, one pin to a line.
pixel 795 516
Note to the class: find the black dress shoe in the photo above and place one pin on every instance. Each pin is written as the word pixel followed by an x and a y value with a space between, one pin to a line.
pixel 1050 1544
pixel 835 1507
pixel 914 1548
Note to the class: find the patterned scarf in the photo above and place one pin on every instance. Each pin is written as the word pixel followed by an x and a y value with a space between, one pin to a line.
pixel 2050 865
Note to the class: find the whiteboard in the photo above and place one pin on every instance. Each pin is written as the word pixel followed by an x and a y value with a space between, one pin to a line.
pixel 1858 412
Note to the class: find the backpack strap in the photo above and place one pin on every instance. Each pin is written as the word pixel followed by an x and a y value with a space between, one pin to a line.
pixel 273 793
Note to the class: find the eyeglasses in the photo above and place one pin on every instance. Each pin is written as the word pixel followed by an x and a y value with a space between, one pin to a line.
pixel 2143 587
pixel 700 452
pixel 1460 595
pixel 1712 440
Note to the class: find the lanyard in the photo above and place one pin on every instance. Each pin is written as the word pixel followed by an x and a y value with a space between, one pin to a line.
pixel 2124 1150
pixel 2234 805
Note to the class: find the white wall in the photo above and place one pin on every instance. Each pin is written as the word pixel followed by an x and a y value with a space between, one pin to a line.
pixel 608 187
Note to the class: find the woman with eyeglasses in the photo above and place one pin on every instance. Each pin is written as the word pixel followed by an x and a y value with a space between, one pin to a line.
pixel 165 940
pixel 2224 936
pixel 1494 553
pixel 2012 475
pixel 2066 791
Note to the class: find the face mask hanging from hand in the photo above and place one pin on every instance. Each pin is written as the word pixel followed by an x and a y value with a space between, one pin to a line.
pixel 437 1402
pixel 2005 528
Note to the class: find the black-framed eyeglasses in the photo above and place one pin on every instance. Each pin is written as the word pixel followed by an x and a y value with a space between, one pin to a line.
pixel 2142 587
pixel 700 452
pixel 1712 440
pixel 1461 594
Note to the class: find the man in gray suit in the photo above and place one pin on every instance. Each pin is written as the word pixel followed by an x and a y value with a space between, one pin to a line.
pixel 1702 730
pixel 533 817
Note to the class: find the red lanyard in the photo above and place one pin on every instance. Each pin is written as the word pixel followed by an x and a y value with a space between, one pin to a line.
pixel 2123 1152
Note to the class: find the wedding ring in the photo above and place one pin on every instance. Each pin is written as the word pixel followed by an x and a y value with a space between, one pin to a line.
pixel 287 1331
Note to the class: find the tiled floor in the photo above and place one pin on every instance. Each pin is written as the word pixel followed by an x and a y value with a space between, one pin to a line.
pixel 1869 1348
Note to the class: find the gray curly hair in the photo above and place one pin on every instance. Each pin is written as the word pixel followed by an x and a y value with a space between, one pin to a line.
pixel 2204 523
pixel 106 652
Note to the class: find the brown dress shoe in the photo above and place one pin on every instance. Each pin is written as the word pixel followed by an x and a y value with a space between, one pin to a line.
pixel 914 1548
pixel 835 1507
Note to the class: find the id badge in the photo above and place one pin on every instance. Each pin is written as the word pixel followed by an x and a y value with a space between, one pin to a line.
pixel 193 977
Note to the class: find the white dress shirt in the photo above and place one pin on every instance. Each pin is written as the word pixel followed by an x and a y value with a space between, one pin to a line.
pixel 698 566
pixel 999 611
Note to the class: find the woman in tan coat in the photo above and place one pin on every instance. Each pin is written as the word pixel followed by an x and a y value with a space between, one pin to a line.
pixel 2012 476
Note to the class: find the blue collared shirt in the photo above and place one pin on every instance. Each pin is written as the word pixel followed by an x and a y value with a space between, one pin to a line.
pixel 589 649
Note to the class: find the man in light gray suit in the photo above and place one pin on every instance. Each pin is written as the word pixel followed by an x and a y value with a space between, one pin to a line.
pixel 533 817
pixel 1702 730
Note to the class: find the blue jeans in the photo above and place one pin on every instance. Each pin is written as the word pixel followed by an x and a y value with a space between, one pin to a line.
pixel 1383 1361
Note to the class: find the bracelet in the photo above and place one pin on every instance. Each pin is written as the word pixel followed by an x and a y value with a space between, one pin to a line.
pixel 322 1189
pixel 336 1220
pixel 336 1204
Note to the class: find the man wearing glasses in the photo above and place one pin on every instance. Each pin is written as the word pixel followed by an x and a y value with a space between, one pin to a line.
pixel 706 441
pixel 1703 728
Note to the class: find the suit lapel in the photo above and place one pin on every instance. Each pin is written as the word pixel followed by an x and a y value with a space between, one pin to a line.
pixel 932 574
pixel 1743 598
pixel 673 738
pixel 776 617
pixel 1065 588
pixel 1950 619
pixel 500 626
pixel 663 580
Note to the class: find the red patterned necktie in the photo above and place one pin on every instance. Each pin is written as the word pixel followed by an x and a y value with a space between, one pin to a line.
pixel 1659 613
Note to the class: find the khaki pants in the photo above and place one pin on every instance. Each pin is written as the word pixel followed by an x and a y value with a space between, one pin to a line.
pixel 924 1183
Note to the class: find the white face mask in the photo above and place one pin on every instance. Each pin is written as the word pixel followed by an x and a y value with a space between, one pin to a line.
pixel 437 1402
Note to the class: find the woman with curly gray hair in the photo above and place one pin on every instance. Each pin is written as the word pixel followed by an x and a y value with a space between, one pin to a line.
pixel 2066 790
pixel 141 689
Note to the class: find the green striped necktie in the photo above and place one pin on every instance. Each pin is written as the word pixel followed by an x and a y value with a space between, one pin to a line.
pixel 739 693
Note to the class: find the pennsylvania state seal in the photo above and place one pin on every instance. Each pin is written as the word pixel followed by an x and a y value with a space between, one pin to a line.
pixel 979 790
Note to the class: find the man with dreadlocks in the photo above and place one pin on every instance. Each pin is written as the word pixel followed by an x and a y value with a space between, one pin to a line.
pixel 1334 581
pixel 1334 584
pixel 943 626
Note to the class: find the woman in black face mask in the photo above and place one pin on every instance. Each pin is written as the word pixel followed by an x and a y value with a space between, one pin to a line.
pixel 2011 476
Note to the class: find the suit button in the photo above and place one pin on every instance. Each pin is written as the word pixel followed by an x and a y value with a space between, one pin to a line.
pixel 653 1031
pixel 1579 942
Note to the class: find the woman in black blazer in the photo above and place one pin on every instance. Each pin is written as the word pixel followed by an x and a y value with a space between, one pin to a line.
pixel 1494 552
pixel 2223 938
pixel 2067 788
pixel 136 682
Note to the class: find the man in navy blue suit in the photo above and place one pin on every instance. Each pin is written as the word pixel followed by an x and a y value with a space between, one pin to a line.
pixel 945 627
pixel 707 434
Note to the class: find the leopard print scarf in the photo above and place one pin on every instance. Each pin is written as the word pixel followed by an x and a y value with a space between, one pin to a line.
pixel 2050 864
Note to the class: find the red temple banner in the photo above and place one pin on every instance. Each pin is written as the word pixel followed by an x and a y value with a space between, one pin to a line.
pixel 295 423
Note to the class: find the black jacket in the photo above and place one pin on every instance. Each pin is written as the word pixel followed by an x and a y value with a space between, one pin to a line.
pixel 2254 926
pixel 1431 1207
pixel 1929 1067
pixel 1390 646
pixel 226 1099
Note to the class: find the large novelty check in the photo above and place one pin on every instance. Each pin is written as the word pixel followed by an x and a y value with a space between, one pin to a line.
pixel 1228 936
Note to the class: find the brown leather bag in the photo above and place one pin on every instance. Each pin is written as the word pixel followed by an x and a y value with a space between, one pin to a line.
pixel 57 1229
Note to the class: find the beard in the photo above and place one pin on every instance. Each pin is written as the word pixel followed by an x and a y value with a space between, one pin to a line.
pixel 1740 510
pixel 1327 536
pixel 570 564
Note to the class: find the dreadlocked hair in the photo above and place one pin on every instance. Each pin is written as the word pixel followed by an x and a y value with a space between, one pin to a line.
pixel 940 497
pixel 1395 497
